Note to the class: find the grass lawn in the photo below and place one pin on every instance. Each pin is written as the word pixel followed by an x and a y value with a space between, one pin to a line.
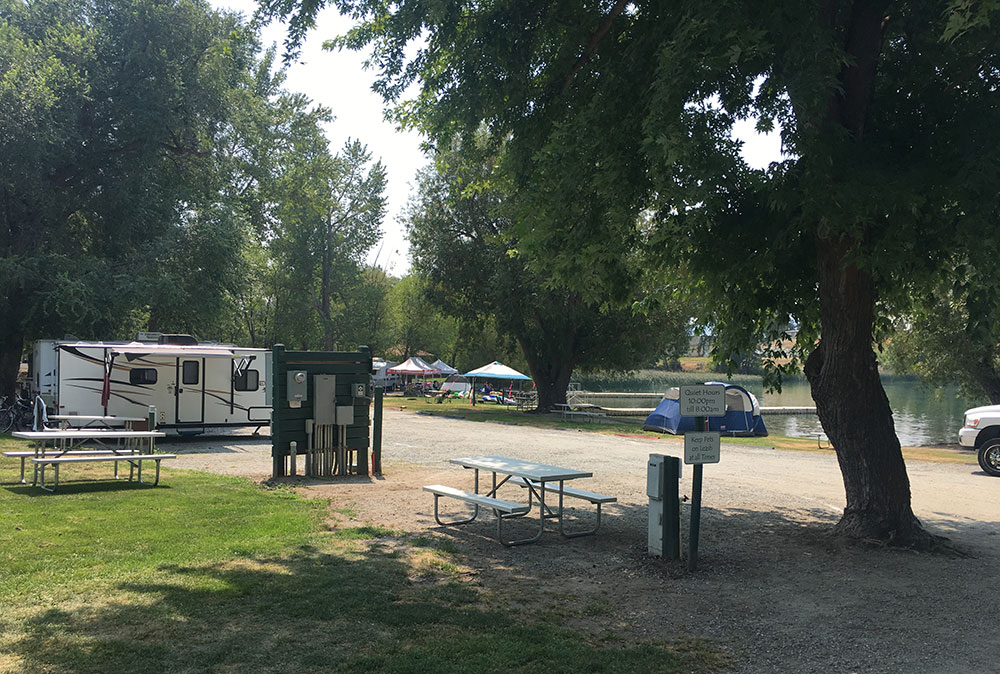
pixel 214 574
pixel 499 414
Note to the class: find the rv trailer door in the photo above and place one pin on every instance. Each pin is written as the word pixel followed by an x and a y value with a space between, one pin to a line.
pixel 190 390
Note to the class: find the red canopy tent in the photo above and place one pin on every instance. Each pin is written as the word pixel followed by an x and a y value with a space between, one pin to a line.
pixel 414 367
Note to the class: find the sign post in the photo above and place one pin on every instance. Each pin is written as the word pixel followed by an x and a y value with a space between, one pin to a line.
pixel 700 447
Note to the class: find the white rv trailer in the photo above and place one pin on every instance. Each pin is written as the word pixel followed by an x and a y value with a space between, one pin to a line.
pixel 193 387
pixel 381 376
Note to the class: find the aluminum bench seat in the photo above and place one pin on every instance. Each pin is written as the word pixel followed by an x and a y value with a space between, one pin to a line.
pixel 134 460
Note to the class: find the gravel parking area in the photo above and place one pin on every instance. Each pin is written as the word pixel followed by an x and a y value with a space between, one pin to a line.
pixel 771 587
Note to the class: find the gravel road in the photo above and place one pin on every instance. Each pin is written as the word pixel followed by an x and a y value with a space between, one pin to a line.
pixel 771 587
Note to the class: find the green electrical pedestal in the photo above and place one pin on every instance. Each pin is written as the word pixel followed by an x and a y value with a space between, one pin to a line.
pixel 321 401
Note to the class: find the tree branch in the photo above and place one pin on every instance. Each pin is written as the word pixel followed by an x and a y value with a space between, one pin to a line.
pixel 592 44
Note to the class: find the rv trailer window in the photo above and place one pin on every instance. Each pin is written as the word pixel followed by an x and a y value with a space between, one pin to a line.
pixel 142 375
pixel 189 375
pixel 249 380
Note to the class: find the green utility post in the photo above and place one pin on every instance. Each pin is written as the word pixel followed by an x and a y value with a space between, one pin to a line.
pixel 277 404
pixel 672 508
pixel 662 486
pixel 377 432
pixel 699 422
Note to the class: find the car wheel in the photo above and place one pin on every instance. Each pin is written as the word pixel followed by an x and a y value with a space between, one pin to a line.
pixel 989 457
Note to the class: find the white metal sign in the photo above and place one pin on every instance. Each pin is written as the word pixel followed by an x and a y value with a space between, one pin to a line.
pixel 702 447
pixel 704 400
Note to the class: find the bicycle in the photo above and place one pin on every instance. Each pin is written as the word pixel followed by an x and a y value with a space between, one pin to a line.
pixel 18 415
pixel 7 415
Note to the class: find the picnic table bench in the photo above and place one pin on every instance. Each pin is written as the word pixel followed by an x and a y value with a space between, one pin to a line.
pixel 27 454
pixel 134 460
pixel 564 491
pixel 498 506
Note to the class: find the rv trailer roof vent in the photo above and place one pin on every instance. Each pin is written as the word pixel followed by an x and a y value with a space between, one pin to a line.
pixel 183 340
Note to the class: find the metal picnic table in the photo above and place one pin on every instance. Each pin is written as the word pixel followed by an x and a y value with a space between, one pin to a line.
pixel 537 478
pixel 63 442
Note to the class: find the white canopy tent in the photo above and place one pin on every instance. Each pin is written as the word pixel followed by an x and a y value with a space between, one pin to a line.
pixel 443 367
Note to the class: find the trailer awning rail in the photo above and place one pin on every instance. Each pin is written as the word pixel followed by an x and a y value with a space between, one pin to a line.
pixel 168 350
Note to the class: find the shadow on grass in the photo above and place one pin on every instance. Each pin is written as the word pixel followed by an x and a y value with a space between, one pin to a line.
pixel 356 611
pixel 83 486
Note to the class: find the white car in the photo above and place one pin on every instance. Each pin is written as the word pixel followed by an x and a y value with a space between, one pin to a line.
pixel 982 432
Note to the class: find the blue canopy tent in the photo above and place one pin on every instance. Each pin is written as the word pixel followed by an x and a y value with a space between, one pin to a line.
pixel 742 415
pixel 495 370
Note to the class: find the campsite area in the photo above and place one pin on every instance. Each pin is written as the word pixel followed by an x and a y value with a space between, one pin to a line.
pixel 772 592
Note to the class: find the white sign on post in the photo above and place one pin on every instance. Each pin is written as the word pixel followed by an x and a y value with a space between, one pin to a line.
pixel 701 447
pixel 704 400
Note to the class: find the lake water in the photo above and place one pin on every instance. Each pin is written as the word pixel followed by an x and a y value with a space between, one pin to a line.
pixel 922 415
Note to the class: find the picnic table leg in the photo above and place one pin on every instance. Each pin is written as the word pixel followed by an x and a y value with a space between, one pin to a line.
pixel 541 524
pixel 532 494
pixel 22 468
pixel 576 534
pixel 40 471
pixel 157 480
pixel 437 516
pixel 475 512
pixel 493 492
pixel 38 454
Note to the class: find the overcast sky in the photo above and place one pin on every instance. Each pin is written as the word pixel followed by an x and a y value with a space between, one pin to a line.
pixel 339 81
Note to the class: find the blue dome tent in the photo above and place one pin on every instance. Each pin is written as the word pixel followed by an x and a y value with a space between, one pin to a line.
pixel 742 415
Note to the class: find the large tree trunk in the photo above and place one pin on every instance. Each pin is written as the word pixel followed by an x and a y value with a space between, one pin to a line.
pixel 853 407
pixel 551 374
pixel 842 371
